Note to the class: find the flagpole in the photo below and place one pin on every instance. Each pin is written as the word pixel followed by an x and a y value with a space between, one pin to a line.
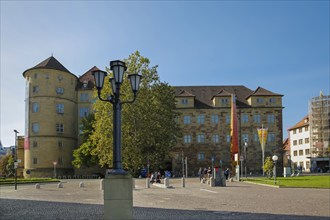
pixel 263 149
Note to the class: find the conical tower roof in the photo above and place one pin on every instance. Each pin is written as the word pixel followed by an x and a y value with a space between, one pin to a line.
pixel 49 63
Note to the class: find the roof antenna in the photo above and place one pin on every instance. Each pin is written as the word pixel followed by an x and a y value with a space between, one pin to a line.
pixel 52 54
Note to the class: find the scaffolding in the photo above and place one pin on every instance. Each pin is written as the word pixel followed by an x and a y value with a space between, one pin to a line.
pixel 319 121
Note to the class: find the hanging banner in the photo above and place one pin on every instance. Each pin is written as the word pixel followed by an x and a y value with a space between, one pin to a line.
pixel 262 134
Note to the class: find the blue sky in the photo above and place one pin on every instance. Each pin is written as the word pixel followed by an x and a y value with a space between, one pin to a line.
pixel 282 46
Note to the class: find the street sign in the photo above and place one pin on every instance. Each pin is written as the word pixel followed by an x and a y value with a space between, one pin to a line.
pixel 241 158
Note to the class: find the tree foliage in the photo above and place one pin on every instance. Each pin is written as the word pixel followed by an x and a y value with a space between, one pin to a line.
pixel 149 129
pixel 268 167
pixel 7 165
pixel 84 156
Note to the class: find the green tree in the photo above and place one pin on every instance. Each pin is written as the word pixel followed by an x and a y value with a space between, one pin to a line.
pixel 149 129
pixel 7 165
pixel 84 155
pixel 268 167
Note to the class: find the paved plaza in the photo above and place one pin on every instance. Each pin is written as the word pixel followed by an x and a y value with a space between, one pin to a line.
pixel 197 201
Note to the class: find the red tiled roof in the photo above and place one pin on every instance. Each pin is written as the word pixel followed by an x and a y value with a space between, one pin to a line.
pixel 302 123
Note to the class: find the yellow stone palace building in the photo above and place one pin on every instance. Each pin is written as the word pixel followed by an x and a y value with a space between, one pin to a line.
pixel 57 100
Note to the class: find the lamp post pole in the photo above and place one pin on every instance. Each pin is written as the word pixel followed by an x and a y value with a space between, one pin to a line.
pixel 275 158
pixel 15 159
pixel 54 163
pixel 118 184
pixel 245 159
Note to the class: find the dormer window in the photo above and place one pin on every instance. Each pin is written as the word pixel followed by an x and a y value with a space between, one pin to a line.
pixel 272 100
pixel 224 100
pixel 85 83
pixel 184 101
pixel 260 100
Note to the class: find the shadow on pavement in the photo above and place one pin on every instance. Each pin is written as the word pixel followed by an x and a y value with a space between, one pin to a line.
pixel 30 209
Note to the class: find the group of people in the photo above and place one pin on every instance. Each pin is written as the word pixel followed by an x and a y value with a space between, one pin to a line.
pixel 207 173
pixel 155 177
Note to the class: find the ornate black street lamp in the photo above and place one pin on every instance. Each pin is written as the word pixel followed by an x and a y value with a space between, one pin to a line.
pixel 118 68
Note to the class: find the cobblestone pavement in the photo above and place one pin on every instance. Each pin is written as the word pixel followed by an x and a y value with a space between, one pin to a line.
pixel 196 201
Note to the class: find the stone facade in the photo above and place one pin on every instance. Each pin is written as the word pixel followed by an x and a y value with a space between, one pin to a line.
pixel 205 114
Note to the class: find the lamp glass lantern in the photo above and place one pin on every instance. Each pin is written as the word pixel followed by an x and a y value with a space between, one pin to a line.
pixel 113 85
pixel 99 76
pixel 135 82
pixel 118 68
pixel 275 158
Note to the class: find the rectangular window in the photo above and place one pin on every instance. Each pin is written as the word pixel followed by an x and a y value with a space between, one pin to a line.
pixel 60 144
pixel 215 138
pixel 35 107
pixel 245 137
pixel 228 138
pixel 200 138
pixel 59 90
pixel 227 119
pixel 201 119
pixel 300 130
pixel 301 152
pixel 270 118
pixel 215 119
pixel 83 112
pixel 306 140
pixel 294 142
pixel 271 137
pixel 35 160
pixel 255 137
pixel 84 97
pixel 294 131
pixel 308 165
pixel 306 151
pixel 60 161
pixel 201 156
pixel 187 139
pixel 35 89
pixel 256 118
pixel 260 100
pixel 35 127
pixel 35 144
pixel 306 128
pixel 184 101
pixel 300 141
pixel 295 153
pixel 186 119
pixel 245 118
pixel 272 100
pixel 60 108
pixel 224 101
pixel 59 128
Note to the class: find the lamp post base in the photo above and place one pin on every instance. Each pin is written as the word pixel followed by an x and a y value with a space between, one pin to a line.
pixel 118 196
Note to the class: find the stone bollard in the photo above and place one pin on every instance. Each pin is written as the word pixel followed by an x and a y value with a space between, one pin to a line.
pixel 37 186
pixel 101 184
pixel 147 183
pixel 212 182
pixel 166 182
pixel 81 185
pixel 133 183
pixel 183 182
pixel 223 181
pixel 60 185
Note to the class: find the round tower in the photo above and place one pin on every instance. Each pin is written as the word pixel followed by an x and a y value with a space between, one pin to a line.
pixel 51 120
